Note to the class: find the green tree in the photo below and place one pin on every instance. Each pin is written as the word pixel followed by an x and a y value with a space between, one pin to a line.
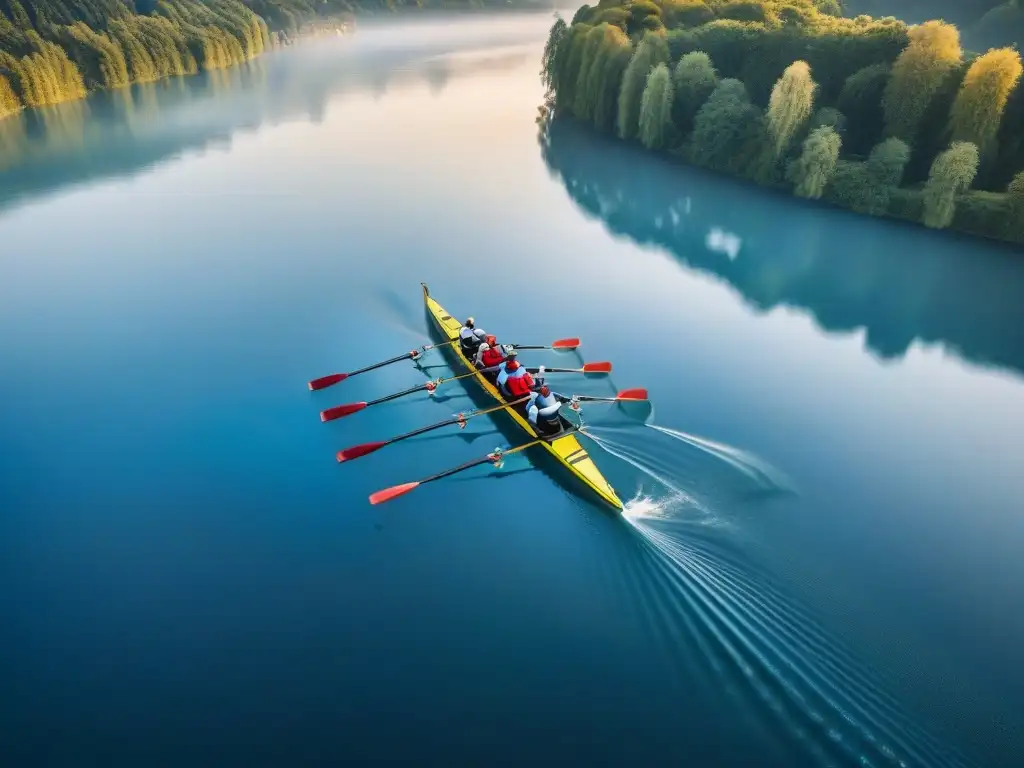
pixel 887 162
pixel 586 93
pixel 917 74
pixel 656 108
pixel 606 76
pixel 790 105
pixel 569 76
pixel 653 50
pixel 860 100
pixel 727 128
pixel 551 61
pixel 979 105
pixel 811 172
pixel 9 102
pixel 951 174
pixel 694 79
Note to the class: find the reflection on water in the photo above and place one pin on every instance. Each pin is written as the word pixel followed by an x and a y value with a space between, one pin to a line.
pixel 901 284
pixel 125 132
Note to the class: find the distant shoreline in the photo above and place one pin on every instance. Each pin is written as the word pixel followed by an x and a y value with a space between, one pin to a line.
pixel 42 64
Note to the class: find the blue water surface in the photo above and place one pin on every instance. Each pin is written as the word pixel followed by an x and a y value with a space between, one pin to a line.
pixel 821 560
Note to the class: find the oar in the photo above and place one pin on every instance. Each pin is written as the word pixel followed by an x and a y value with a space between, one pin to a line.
pixel 627 394
pixel 361 450
pixel 560 344
pixel 337 411
pixel 326 381
pixel 603 367
pixel 495 458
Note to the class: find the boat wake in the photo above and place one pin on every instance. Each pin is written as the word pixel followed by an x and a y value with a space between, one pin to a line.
pixel 702 477
pixel 725 627
pixel 772 658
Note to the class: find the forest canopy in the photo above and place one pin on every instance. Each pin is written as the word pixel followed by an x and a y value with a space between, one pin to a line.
pixel 871 114
pixel 58 50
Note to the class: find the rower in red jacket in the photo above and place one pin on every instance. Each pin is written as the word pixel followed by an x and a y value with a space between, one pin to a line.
pixel 491 353
pixel 514 381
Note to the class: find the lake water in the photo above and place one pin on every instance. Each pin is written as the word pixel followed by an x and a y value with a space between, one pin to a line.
pixel 822 560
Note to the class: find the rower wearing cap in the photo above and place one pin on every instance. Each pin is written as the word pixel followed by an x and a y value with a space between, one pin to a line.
pixel 542 410
pixel 491 354
pixel 471 337
pixel 514 380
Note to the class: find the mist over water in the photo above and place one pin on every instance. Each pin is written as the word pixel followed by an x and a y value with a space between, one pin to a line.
pixel 819 562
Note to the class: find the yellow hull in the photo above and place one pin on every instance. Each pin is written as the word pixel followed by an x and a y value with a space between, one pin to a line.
pixel 566 449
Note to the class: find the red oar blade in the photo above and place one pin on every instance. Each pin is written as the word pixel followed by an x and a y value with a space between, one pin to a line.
pixel 341 410
pixel 632 394
pixel 389 493
pixel 565 344
pixel 603 367
pixel 326 381
pixel 359 450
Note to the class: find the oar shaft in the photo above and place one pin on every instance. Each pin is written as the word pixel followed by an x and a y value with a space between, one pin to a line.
pixel 455 420
pixel 399 358
pixel 482 460
pixel 397 395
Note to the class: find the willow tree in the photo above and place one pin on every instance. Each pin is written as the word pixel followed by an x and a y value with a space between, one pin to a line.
pixel 652 51
pixel 979 105
pixel 811 172
pixel 694 79
pixel 790 105
pixel 571 61
pixel 951 174
pixel 606 76
pixel 9 102
pixel 918 73
pixel 585 99
pixel 656 108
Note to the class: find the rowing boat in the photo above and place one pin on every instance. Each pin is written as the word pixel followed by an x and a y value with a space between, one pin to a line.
pixel 564 447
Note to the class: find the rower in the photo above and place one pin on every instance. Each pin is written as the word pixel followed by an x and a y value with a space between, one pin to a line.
pixel 514 380
pixel 491 354
pixel 470 337
pixel 542 410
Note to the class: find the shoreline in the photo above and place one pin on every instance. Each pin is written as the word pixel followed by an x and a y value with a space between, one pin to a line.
pixel 277 39
pixel 828 132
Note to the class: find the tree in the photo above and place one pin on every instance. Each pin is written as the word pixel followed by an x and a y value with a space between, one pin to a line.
pixel 656 108
pixel 979 105
pixel 811 172
pixel 9 102
pixel 917 74
pixel 727 130
pixel 606 79
pixel 861 101
pixel 887 161
pixel 653 50
pixel 694 79
pixel 569 76
pixel 790 105
pixel 551 61
pixel 951 174
pixel 590 60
